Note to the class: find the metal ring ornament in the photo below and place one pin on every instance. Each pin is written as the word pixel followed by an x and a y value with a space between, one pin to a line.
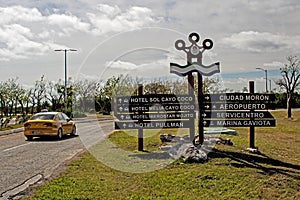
pixel 180 45
pixel 207 46
pixel 194 35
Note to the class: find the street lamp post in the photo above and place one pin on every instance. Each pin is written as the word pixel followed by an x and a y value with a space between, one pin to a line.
pixel 66 75
pixel 266 73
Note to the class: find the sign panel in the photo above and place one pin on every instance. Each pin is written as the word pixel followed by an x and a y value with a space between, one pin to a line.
pixel 148 111
pixel 155 99
pixel 236 106
pixel 156 116
pixel 239 123
pixel 237 114
pixel 155 108
pixel 238 97
pixel 153 124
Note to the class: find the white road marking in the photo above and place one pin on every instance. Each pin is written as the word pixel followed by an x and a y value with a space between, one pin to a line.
pixel 15 147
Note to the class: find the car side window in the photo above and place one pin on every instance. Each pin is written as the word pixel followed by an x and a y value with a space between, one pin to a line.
pixel 60 117
pixel 65 116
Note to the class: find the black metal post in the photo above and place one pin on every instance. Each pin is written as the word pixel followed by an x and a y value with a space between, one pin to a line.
pixel 200 117
pixel 252 128
pixel 266 72
pixel 191 93
pixel 66 76
pixel 66 73
pixel 140 130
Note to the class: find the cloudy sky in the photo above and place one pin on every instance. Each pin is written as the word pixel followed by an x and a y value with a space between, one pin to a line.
pixel 137 37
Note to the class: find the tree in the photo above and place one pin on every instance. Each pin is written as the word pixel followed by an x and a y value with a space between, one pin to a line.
pixel 40 93
pixel 4 93
pixel 105 94
pixel 14 92
pixel 290 80
pixel 55 95
pixel 85 92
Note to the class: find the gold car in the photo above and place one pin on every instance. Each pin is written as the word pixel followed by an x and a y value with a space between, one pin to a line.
pixel 55 124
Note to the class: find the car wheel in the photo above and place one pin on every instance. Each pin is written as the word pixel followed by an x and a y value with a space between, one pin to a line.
pixel 59 134
pixel 29 138
pixel 73 133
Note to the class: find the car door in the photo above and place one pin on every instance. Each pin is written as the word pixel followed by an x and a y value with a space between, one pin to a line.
pixel 63 122
pixel 68 123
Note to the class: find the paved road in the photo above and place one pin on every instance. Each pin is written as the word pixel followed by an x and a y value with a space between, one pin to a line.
pixel 23 163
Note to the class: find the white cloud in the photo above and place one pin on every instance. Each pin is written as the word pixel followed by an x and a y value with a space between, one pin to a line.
pixel 109 11
pixel 19 14
pixel 44 34
pixel 68 23
pixel 261 41
pixel 112 19
pixel 26 31
pixel 155 68
pixel 20 43
pixel 122 65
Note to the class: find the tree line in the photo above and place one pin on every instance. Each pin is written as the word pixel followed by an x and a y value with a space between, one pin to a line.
pixel 82 95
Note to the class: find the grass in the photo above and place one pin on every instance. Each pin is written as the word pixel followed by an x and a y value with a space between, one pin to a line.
pixel 10 127
pixel 230 173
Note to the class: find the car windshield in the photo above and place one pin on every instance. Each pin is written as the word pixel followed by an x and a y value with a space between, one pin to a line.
pixel 43 117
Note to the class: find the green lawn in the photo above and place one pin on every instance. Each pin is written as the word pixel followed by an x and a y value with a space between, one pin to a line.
pixel 230 173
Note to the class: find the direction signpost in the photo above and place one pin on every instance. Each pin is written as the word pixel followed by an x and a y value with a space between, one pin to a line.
pixel 237 114
pixel 155 116
pixel 159 111
pixel 146 109
pixel 237 109
pixel 235 106
pixel 153 124
pixel 154 112
pixel 239 123
pixel 238 97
